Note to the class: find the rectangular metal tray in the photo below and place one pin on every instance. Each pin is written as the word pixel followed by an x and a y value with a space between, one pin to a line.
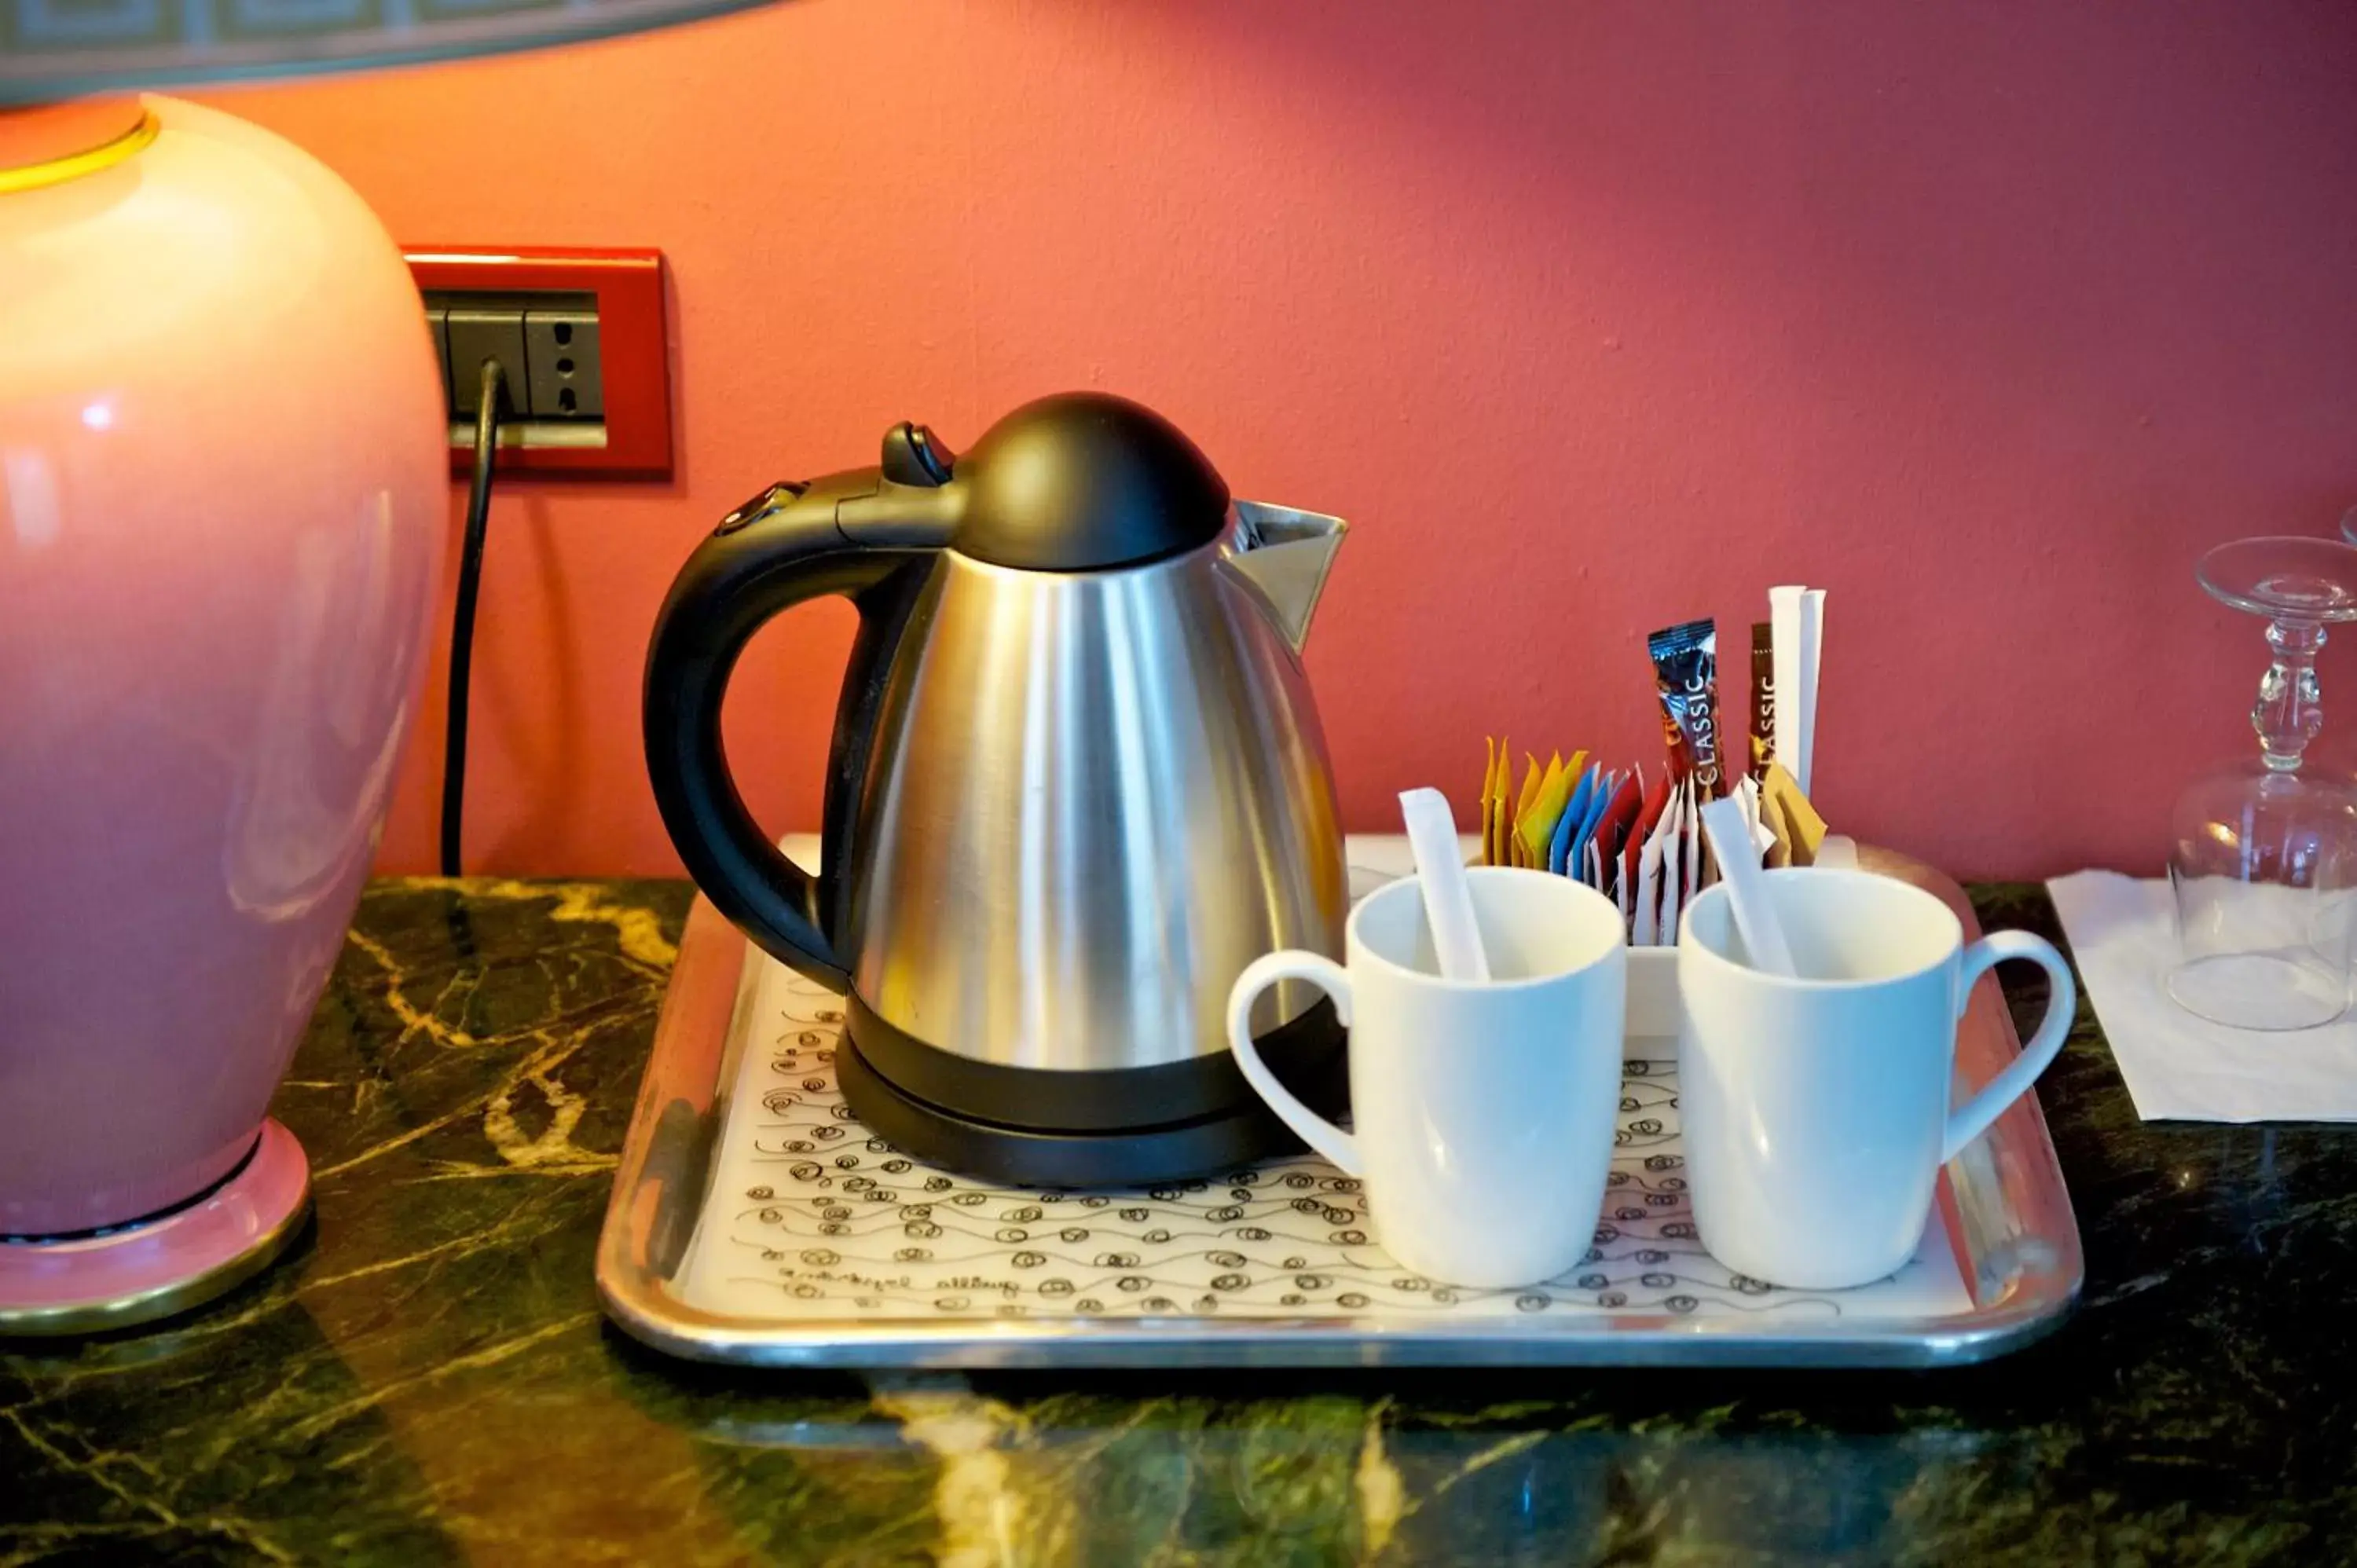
pixel 754 1221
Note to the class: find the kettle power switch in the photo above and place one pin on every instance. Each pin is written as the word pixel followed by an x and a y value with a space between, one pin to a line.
pixel 939 460
pixel 915 456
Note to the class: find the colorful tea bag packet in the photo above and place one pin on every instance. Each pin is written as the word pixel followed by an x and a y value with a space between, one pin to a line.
pixel 1522 812
pixel 1497 804
pixel 1690 846
pixel 1660 875
pixel 1646 910
pixel 1800 828
pixel 1574 811
pixel 1639 841
pixel 1490 801
pixel 1780 835
pixel 1612 831
pixel 1534 825
pixel 1747 794
pixel 1575 861
pixel 1640 833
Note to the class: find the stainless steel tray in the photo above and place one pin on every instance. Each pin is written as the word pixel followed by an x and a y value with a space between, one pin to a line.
pixel 754 1221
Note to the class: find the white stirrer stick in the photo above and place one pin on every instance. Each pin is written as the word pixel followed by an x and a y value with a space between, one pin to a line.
pixel 1746 887
pixel 1447 893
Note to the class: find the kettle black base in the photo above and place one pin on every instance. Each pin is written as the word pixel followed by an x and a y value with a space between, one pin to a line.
pixel 1126 1127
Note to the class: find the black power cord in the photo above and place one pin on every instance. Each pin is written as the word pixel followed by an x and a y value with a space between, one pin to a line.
pixel 493 387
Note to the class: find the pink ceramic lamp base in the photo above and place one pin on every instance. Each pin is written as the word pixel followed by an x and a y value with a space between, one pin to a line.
pixel 153 1268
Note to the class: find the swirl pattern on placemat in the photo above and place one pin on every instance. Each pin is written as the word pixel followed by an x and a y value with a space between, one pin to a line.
pixel 815 1217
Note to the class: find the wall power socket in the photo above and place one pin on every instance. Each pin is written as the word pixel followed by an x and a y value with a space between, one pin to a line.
pixel 581 335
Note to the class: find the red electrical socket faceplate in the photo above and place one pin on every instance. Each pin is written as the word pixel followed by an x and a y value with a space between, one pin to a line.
pixel 629 285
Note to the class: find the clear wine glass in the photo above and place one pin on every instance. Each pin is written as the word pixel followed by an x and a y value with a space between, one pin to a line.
pixel 2264 866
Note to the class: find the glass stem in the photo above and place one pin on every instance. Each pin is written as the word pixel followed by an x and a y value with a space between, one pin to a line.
pixel 2289 710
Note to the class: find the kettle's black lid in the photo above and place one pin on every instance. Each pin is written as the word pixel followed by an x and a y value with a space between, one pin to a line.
pixel 1082 481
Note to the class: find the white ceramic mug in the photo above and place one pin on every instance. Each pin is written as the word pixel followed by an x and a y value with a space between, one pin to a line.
pixel 1815 1110
pixel 1484 1111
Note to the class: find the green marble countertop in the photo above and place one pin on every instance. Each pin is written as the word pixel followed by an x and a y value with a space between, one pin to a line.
pixel 426 1379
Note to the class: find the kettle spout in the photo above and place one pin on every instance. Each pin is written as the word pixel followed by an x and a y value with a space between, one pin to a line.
pixel 1286 553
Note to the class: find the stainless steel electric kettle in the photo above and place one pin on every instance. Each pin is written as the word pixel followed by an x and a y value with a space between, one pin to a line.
pixel 1077 783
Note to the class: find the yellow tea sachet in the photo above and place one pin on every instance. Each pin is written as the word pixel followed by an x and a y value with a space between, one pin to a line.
pixel 1489 798
pixel 1509 803
pixel 1523 803
pixel 1525 800
pixel 1534 828
pixel 1500 824
pixel 1535 781
pixel 1806 829
pixel 1505 787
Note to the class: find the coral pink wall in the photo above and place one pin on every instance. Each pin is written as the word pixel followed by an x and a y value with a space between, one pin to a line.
pixel 1591 317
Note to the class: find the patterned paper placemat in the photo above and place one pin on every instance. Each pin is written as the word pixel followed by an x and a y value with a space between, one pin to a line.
pixel 811 1217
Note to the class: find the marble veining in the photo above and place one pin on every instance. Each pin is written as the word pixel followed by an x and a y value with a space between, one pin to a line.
pixel 426 1379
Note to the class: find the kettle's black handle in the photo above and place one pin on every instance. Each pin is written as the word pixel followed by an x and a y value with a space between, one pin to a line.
pixel 852 535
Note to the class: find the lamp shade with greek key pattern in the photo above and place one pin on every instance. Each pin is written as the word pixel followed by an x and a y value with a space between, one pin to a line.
pixel 51 50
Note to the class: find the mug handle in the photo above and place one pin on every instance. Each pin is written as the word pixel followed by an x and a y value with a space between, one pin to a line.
pixel 1258 976
pixel 2062 1008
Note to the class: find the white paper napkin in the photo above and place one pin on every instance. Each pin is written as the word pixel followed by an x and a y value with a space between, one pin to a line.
pixel 2177 1066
